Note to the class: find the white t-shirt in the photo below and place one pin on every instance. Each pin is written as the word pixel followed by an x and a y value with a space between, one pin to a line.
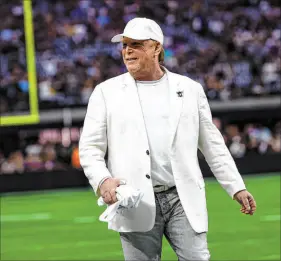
pixel 154 100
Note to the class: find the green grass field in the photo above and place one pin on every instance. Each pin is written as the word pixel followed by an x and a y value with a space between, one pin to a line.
pixel 63 225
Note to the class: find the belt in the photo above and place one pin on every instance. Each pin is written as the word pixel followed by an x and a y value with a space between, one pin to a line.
pixel 161 188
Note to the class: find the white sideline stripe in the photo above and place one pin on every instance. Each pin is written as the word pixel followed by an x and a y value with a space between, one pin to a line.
pixel 90 219
pixel 271 257
pixel 85 219
pixel 271 218
pixel 43 217
pixel 26 217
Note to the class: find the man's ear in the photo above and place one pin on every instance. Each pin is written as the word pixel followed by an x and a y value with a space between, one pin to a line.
pixel 158 48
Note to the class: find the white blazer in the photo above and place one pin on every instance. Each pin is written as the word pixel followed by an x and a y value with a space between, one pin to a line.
pixel 114 122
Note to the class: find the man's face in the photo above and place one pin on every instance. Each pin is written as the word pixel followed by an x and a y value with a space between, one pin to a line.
pixel 138 55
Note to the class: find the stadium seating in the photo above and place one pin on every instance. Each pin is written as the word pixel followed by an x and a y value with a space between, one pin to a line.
pixel 233 50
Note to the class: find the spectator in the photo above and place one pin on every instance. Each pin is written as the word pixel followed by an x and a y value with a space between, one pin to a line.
pixel 49 158
pixel 75 160
pixel 14 163
pixel 234 141
pixel 33 160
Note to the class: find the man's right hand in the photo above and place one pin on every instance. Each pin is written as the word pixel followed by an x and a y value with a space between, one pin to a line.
pixel 108 190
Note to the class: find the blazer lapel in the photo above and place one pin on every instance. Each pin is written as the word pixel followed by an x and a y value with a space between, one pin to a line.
pixel 133 100
pixel 176 102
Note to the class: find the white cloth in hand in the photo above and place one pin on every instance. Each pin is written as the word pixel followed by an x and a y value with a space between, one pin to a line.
pixel 127 197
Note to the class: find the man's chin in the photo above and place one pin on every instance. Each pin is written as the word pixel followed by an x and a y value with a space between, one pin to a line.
pixel 133 69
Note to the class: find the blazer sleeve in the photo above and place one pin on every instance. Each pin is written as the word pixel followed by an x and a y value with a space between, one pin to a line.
pixel 93 140
pixel 217 155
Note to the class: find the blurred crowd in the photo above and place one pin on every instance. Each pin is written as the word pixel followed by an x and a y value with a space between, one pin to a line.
pixel 233 48
pixel 252 138
pixel 57 149
pixel 42 150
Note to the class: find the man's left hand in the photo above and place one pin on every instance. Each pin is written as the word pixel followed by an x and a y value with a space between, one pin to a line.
pixel 247 201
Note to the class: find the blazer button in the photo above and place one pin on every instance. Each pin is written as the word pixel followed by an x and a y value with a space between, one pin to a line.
pixel 147 152
pixel 147 176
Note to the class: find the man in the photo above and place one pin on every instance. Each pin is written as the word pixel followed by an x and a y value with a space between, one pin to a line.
pixel 151 122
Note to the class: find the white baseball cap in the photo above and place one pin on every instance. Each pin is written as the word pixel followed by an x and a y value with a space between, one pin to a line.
pixel 141 29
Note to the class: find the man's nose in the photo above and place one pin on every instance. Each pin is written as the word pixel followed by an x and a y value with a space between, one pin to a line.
pixel 128 49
